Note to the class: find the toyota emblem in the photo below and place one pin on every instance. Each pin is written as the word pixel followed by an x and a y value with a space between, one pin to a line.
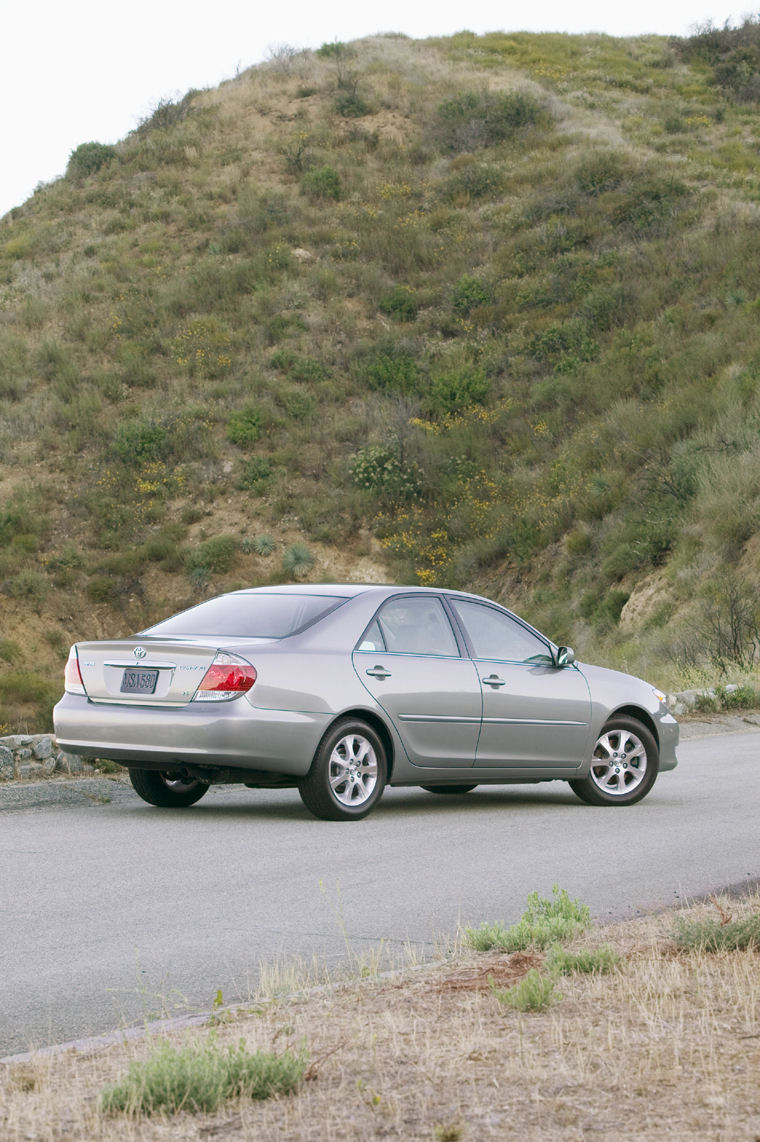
pixel 140 652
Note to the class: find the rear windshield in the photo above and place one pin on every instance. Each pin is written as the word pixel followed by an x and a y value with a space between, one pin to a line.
pixel 249 616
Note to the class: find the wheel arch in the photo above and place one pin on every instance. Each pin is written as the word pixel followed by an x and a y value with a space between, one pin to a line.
pixel 378 725
pixel 640 715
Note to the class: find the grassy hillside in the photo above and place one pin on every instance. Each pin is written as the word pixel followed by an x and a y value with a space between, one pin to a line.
pixel 478 311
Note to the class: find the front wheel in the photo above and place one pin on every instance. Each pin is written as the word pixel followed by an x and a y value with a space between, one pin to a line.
pixel 166 790
pixel 348 774
pixel 624 765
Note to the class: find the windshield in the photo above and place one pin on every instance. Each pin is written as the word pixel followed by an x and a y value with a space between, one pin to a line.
pixel 248 616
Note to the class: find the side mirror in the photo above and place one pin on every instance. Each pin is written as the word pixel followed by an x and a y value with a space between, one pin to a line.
pixel 565 656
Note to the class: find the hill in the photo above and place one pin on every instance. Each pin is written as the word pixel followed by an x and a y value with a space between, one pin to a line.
pixel 477 311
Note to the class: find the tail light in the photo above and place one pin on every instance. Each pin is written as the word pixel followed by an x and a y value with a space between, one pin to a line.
pixel 227 677
pixel 72 677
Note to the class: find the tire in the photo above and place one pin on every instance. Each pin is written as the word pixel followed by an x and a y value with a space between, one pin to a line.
pixel 448 788
pixel 162 789
pixel 624 765
pixel 348 774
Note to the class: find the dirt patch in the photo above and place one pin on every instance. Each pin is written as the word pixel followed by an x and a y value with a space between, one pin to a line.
pixel 430 1054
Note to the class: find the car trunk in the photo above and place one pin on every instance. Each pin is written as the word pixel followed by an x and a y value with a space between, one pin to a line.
pixel 144 671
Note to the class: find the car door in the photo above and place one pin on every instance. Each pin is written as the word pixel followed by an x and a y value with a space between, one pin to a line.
pixel 534 713
pixel 410 661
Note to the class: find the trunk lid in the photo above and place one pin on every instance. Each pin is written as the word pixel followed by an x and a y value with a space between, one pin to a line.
pixel 144 671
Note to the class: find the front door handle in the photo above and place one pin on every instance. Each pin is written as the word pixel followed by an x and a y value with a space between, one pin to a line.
pixel 378 672
pixel 493 680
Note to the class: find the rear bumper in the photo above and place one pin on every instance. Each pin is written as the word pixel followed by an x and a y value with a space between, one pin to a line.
pixel 230 734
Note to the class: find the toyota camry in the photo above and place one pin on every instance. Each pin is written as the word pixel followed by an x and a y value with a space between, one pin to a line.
pixel 342 690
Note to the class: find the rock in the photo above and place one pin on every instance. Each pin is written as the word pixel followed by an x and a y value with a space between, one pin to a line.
pixel 7 768
pixel 42 748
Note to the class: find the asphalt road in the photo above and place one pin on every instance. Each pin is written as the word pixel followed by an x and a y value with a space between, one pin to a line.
pixel 113 912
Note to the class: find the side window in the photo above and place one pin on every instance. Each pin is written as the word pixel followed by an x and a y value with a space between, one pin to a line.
pixel 413 626
pixel 496 635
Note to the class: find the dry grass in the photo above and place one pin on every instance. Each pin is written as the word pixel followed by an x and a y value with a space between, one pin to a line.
pixel 669 1043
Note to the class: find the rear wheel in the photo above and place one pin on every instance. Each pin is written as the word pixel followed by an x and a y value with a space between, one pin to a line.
pixel 624 765
pixel 167 790
pixel 448 788
pixel 348 774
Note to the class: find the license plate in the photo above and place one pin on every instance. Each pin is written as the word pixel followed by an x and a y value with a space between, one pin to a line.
pixel 139 681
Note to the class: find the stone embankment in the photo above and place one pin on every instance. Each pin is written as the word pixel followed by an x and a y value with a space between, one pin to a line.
pixel 29 757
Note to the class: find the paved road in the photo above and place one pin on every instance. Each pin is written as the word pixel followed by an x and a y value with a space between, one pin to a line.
pixel 112 911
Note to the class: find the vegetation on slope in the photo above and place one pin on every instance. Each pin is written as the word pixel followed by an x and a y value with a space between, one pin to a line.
pixel 478 311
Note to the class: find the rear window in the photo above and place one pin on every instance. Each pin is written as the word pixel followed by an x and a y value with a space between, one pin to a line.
pixel 249 616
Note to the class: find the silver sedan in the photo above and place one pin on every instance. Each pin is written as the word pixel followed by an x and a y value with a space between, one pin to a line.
pixel 342 690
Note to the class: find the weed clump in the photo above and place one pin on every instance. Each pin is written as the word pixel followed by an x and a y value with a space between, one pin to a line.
pixel 544 922
pixel 202 1078
pixel 713 935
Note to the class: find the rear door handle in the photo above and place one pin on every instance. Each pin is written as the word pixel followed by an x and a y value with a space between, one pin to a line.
pixel 493 680
pixel 378 672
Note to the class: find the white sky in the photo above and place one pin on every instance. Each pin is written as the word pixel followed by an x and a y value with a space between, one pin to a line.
pixel 77 71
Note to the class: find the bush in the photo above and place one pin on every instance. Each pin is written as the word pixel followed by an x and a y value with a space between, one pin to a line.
pixel 602 171
pixel 264 545
pixel 484 118
pixel 533 993
pixel 596 961
pixel 244 426
pixel 458 388
pixel 378 469
pixel 88 158
pixel 544 922
pixel 255 474
pixel 473 180
pixel 713 935
pixel 201 1078
pixel 469 293
pixel 400 303
pixel 322 184
pixel 390 367
pixel 215 556
pixel 297 559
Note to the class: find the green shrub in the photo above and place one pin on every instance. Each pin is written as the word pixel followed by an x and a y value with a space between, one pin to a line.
pixel 214 556
pixel 390 367
pixel 544 922
pixel 28 584
pixel 650 203
pixel 589 961
pixel 297 367
pixel 322 184
pixel 168 113
pixel 103 589
pixel 713 935
pixel 475 119
pixel 457 388
pixel 600 172
pixel 377 468
pixel 255 474
pixel 88 158
pixel 469 293
pixel 10 651
pixel 23 687
pixel 533 993
pixel 244 426
pixel 141 441
pixel 297 559
pixel 473 181
pixel 264 545
pixel 400 303
pixel 201 1077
